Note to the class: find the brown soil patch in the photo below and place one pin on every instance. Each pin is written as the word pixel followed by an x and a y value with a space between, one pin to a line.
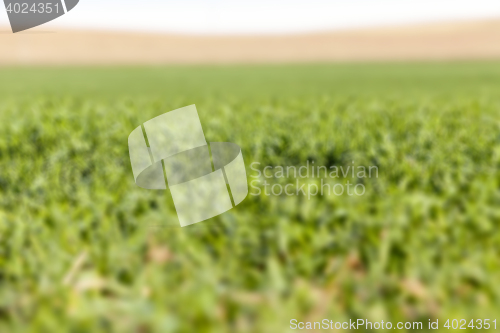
pixel 450 41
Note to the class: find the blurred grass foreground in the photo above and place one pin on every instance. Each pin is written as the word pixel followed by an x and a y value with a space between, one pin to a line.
pixel 83 249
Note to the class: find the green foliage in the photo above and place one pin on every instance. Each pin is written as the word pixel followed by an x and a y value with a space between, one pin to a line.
pixel 82 249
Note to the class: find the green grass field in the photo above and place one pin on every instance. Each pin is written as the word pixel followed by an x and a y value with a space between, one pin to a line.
pixel 83 249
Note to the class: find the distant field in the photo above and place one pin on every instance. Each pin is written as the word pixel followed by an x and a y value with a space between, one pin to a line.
pixel 439 41
pixel 82 249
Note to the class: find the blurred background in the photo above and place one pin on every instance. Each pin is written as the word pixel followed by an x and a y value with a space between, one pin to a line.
pixel 412 87
pixel 184 32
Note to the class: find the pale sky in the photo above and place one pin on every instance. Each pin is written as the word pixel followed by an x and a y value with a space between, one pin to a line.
pixel 265 16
